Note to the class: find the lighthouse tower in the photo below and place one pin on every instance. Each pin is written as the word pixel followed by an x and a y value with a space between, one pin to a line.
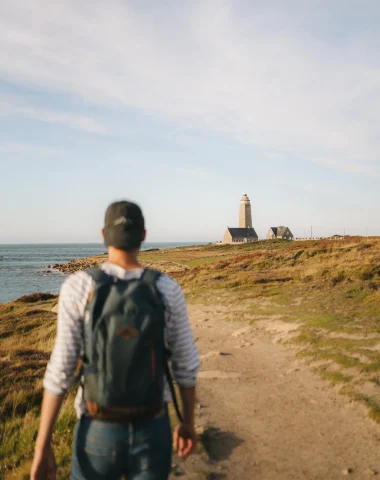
pixel 245 216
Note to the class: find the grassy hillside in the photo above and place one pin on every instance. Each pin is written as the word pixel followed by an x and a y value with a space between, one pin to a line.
pixel 27 331
pixel 329 290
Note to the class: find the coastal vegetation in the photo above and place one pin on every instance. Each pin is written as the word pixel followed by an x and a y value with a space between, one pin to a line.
pixel 326 293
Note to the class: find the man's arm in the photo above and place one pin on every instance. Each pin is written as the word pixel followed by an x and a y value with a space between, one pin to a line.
pixel 185 437
pixel 49 412
pixel 43 466
pixel 185 365
pixel 188 405
pixel 60 370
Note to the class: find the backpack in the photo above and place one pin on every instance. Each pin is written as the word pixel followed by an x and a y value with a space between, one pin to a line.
pixel 125 359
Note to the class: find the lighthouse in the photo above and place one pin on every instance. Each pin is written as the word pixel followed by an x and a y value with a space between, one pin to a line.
pixel 245 214
pixel 245 233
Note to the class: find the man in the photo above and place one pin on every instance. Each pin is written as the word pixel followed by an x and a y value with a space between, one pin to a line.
pixel 111 445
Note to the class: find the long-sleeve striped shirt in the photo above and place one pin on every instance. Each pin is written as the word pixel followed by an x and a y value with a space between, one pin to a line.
pixel 72 315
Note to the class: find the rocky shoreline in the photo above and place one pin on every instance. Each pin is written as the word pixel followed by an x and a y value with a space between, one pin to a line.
pixel 78 264
pixel 93 262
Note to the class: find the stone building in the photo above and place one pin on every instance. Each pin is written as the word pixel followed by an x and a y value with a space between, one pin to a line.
pixel 240 235
pixel 280 232
pixel 245 233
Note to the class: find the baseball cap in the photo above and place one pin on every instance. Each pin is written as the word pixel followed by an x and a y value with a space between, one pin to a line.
pixel 123 225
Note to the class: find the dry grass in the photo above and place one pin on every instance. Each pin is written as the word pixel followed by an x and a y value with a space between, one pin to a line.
pixel 27 330
pixel 331 288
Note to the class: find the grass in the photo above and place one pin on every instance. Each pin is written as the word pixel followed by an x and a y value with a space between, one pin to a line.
pixel 338 287
pixel 335 378
pixel 27 330
pixel 331 289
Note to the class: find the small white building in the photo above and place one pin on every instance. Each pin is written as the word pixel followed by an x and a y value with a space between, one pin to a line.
pixel 280 232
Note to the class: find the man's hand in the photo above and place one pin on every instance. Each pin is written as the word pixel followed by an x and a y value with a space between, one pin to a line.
pixel 44 466
pixel 184 440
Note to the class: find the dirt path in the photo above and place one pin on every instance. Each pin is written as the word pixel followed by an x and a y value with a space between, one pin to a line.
pixel 267 416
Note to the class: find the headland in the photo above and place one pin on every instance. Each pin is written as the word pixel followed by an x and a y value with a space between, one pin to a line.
pixel 289 339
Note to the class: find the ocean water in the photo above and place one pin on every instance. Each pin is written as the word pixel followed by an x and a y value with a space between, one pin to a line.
pixel 23 267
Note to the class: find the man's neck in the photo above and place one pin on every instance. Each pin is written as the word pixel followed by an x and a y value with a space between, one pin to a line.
pixel 126 260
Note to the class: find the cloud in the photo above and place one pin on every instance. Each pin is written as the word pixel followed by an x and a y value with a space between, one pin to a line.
pixel 199 173
pixel 310 188
pixel 37 150
pixel 291 80
pixel 76 122
pixel 350 165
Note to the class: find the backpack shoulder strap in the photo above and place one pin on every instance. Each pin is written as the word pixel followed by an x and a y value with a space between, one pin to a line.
pixel 99 276
pixel 151 276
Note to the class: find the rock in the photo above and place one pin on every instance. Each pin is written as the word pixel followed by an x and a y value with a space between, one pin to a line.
pixel 291 370
pixel 214 353
pixel 347 471
pixel 217 374
pixel 210 354
pixel 372 471
pixel 199 429
pixel 241 331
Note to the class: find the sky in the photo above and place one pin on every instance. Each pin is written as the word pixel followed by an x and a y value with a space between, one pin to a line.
pixel 183 107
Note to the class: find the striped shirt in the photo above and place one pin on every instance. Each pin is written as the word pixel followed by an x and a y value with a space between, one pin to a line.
pixel 69 344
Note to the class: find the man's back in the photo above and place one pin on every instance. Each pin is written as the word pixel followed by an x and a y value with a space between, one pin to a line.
pixel 107 448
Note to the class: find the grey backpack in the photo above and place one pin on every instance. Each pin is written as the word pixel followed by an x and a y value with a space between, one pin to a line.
pixel 125 360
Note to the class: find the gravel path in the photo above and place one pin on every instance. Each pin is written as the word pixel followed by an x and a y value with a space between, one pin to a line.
pixel 267 416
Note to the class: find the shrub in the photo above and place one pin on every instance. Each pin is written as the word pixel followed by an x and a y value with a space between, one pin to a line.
pixel 298 254
pixel 364 246
pixel 36 297
pixel 338 278
pixel 220 277
pixel 353 292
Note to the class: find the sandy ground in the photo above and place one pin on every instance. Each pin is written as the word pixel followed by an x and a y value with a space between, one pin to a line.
pixel 266 415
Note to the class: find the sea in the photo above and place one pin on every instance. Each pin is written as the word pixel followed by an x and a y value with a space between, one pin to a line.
pixel 24 268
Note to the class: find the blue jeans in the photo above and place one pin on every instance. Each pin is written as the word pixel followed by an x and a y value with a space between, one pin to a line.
pixel 107 451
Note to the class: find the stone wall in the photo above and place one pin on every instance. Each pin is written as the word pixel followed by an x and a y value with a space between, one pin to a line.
pixel 227 237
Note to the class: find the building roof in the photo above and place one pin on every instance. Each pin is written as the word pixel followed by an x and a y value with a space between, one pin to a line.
pixel 243 232
pixel 280 231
